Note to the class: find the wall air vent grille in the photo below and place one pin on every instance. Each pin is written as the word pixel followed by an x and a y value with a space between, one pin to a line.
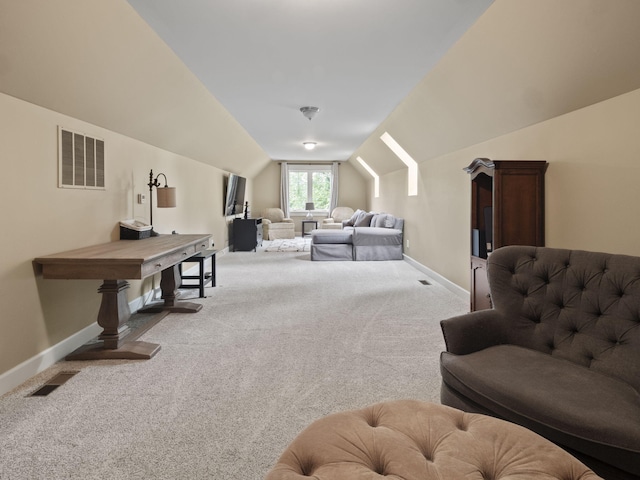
pixel 80 160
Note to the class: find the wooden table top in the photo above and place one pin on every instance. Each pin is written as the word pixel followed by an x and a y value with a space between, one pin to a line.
pixel 121 259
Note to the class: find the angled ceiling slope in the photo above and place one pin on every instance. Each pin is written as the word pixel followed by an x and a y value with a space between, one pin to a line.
pixel 521 63
pixel 100 62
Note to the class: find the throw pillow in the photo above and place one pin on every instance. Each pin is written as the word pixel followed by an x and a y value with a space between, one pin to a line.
pixel 364 220
pixel 351 222
pixel 379 220
pixel 390 221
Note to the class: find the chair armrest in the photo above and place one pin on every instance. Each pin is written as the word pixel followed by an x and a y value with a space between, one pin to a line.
pixel 266 221
pixel 474 331
pixel 328 220
pixel 287 220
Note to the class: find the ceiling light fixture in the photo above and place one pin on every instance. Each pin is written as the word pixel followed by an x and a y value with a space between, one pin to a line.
pixel 309 145
pixel 309 112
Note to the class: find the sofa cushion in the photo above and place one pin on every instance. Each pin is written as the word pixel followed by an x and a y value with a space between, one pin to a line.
pixel 592 412
pixel 364 220
pixel 383 220
pixel 582 306
pixel 331 236
pixel 354 218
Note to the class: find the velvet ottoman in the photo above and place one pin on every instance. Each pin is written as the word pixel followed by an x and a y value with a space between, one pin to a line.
pixel 413 440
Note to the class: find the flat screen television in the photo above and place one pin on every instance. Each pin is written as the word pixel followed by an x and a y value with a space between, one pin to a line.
pixel 234 198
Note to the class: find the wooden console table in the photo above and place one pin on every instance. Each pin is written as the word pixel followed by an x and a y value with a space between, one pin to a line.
pixel 116 262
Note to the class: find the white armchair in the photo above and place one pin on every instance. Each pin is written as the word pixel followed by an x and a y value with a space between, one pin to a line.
pixel 338 215
pixel 275 225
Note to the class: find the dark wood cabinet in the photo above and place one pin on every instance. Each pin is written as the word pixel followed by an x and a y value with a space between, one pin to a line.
pixel 507 208
pixel 480 297
pixel 247 234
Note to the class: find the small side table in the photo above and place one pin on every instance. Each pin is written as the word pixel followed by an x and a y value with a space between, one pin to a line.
pixel 304 222
pixel 203 277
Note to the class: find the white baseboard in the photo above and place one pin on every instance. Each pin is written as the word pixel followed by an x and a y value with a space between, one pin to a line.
pixel 27 369
pixel 449 285
pixel 40 362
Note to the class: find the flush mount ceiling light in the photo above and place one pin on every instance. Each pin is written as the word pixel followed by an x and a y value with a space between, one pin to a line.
pixel 309 145
pixel 309 112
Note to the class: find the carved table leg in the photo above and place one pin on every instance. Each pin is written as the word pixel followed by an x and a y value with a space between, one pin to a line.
pixel 169 284
pixel 114 312
pixel 113 316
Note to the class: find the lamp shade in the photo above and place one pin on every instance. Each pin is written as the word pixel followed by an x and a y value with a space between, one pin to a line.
pixel 166 197
pixel 309 206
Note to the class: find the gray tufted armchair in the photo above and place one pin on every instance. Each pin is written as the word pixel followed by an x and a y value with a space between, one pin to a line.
pixel 559 353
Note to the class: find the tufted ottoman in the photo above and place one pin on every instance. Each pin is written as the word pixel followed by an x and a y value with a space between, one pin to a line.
pixel 412 440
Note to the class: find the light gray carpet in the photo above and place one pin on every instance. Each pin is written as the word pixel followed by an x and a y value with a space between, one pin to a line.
pixel 279 343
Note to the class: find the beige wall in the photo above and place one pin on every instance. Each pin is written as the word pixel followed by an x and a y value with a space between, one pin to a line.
pixel 592 196
pixel 39 219
pixel 99 61
pixel 266 190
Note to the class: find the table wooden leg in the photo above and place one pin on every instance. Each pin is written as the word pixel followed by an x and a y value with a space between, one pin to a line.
pixel 169 283
pixel 114 312
pixel 116 337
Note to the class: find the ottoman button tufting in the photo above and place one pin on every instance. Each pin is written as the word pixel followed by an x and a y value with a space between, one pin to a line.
pixel 407 439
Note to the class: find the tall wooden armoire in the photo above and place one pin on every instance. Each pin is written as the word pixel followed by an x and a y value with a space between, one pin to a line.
pixel 507 208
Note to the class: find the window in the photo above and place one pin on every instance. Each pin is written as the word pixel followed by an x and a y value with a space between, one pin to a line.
pixel 309 183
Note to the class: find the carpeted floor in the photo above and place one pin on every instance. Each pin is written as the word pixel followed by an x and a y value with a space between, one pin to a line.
pixel 280 342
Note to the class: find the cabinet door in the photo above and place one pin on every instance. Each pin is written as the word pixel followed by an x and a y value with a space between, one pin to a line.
pixel 244 234
pixel 480 294
pixel 519 204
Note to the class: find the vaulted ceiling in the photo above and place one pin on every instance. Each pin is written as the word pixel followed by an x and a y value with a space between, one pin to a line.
pixel 222 81
pixel 355 60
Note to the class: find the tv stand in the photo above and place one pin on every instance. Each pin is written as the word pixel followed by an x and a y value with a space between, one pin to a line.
pixel 247 234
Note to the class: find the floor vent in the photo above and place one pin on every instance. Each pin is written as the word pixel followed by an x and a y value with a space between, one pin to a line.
pixel 53 383
pixel 424 282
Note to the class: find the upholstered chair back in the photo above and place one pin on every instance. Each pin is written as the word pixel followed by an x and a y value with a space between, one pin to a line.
pixel 580 306
pixel 276 215
pixel 341 213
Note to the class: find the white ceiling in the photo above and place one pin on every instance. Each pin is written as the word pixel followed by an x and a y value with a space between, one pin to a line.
pixel 354 59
